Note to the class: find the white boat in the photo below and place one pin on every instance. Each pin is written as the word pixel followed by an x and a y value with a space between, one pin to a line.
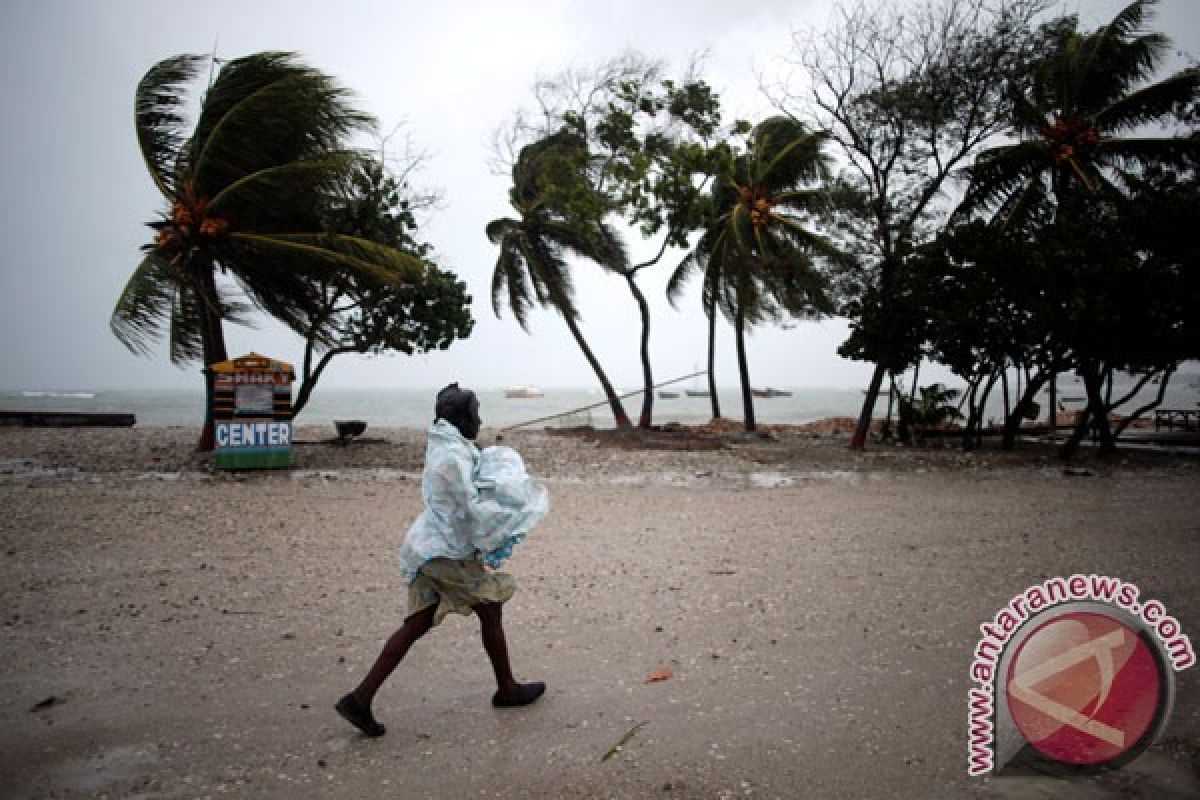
pixel 523 392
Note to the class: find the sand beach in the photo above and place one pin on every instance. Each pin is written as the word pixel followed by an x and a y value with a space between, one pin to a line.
pixel 174 632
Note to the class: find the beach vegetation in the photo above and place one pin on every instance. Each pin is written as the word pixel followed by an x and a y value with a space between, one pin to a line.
pixel 929 408
pixel 1096 140
pixel 907 94
pixel 246 186
pixel 652 144
pixel 357 312
pixel 760 256
pixel 552 222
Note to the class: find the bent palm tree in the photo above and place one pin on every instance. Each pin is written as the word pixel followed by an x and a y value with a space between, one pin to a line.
pixel 757 256
pixel 245 191
pixel 531 268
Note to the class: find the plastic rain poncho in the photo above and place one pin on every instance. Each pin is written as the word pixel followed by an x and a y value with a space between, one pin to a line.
pixel 475 503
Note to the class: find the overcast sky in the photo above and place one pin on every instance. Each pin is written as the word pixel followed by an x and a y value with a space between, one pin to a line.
pixel 75 195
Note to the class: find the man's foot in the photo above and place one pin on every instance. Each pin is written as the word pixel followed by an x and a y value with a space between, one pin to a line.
pixel 359 716
pixel 525 694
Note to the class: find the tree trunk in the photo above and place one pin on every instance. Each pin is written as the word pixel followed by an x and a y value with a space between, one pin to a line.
pixel 646 418
pixel 973 435
pixel 1004 387
pixel 1094 383
pixel 614 402
pixel 1012 422
pixel 859 441
pixel 739 327
pixel 712 358
pixel 887 420
pixel 212 337
pixel 311 376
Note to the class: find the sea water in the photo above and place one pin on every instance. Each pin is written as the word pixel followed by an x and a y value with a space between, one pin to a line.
pixel 413 408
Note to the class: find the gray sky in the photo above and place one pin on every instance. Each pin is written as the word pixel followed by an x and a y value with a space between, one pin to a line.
pixel 75 194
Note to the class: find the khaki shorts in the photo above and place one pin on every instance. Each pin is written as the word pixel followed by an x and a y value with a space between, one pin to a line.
pixel 457 586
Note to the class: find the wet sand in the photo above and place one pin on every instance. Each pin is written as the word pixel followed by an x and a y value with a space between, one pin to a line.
pixel 171 632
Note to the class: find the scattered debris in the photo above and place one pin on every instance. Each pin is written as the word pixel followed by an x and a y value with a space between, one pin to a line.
pixel 52 700
pixel 659 675
pixel 624 740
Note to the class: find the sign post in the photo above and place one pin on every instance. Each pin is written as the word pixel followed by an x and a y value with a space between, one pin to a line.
pixel 252 413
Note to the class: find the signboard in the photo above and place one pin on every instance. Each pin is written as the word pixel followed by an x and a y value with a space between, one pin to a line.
pixel 252 410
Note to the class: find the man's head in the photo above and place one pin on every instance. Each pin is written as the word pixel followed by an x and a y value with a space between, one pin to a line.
pixel 459 407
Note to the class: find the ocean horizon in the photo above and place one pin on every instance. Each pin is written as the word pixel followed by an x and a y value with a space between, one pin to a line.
pixel 409 408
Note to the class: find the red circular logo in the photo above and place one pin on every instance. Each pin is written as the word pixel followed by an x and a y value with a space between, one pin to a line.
pixel 1083 688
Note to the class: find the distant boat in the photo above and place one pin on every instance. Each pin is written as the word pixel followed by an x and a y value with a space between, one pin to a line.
pixel 696 392
pixel 769 392
pixel 667 395
pixel 523 392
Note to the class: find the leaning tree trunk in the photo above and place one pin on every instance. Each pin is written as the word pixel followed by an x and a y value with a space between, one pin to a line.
pixel 614 402
pixel 212 338
pixel 1012 422
pixel 739 326
pixel 646 418
pixel 712 357
pixel 859 441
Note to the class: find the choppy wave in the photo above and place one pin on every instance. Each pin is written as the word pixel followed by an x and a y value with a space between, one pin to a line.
pixel 73 395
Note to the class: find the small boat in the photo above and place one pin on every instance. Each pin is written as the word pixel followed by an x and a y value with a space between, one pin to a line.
pixel 667 395
pixel 769 392
pixel 696 392
pixel 523 392
pixel 348 429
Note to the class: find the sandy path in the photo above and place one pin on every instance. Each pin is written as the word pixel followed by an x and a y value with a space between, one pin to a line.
pixel 196 631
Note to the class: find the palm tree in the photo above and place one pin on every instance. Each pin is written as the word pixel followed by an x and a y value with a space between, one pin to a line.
pixel 245 189
pixel 1080 130
pixel 757 255
pixel 1077 124
pixel 532 268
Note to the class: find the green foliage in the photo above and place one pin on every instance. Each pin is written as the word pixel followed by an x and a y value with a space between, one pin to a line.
pixel 426 313
pixel 759 259
pixel 757 252
pixel 246 192
pixel 1078 119
pixel 558 213
pixel 933 407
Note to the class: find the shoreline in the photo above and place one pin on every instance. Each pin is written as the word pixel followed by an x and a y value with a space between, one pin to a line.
pixel 712 454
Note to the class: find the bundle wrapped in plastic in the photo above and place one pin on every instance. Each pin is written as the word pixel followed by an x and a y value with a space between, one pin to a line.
pixel 511 503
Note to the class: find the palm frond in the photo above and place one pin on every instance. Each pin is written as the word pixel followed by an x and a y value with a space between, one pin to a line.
pixel 1151 103
pixel 1117 56
pixel 158 116
pixel 999 172
pixel 266 110
pixel 278 271
pixel 186 344
pixel 1145 151
pixel 692 263
pixel 510 274
pixel 144 306
pixel 596 241
pixel 785 154
pixel 284 197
